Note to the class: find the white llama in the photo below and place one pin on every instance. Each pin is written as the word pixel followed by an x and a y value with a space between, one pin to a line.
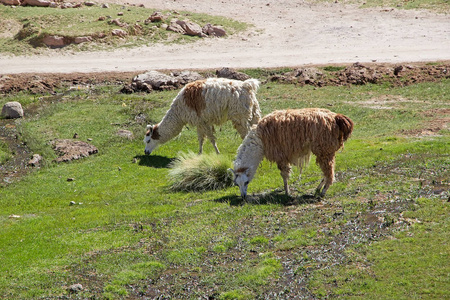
pixel 205 103
pixel 289 137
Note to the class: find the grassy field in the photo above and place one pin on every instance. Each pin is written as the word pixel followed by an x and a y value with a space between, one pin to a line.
pixel 22 29
pixel 117 227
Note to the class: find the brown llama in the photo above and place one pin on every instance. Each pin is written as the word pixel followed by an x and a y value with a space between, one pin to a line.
pixel 288 137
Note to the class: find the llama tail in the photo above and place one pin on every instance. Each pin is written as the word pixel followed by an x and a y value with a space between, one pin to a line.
pixel 251 84
pixel 345 125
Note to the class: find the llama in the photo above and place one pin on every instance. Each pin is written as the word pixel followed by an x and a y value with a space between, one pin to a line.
pixel 205 103
pixel 289 137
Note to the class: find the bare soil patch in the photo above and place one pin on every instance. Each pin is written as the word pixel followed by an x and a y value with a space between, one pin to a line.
pixel 395 74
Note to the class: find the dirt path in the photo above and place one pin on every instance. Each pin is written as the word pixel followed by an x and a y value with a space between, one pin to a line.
pixel 285 33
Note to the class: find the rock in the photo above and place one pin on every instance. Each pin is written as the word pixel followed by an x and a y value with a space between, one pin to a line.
pixel 12 110
pixel 119 32
pixel 359 74
pixel 184 77
pixel 191 28
pixel 54 41
pixel 212 30
pixel 66 5
pixel 175 27
pixel 10 2
pixel 89 3
pixel 105 5
pixel 35 160
pixel 43 3
pixel 231 74
pixel 120 13
pixel 68 150
pixel 82 39
pixel 125 134
pixel 154 80
pixel 304 75
pixel 14 217
pixel 118 23
pixel 155 17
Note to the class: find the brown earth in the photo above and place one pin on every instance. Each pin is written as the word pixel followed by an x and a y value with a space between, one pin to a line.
pixel 395 74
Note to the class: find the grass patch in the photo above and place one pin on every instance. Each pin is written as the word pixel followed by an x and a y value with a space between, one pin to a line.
pixel 130 236
pixel 5 154
pixel 24 28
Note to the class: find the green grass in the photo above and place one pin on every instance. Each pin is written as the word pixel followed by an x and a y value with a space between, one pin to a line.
pixel 5 154
pixel 23 28
pixel 129 234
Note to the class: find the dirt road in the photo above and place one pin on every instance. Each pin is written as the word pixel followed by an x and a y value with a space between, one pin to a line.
pixel 285 33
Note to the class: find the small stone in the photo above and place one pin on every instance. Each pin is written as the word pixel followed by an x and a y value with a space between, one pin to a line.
pixel 14 217
pixel 70 179
pixel 72 203
pixel 75 288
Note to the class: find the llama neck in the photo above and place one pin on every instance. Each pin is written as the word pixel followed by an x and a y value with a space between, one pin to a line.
pixel 169 127
pixel 250 153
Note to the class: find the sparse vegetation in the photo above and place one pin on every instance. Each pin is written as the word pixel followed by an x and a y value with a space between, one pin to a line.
pixel 22 29
pixel 442 6
pixel 384 223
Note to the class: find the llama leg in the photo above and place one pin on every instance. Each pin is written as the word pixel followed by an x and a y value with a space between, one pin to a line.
pixel 285 171
pixel 212 138
pixel 201 139
pixel 327 166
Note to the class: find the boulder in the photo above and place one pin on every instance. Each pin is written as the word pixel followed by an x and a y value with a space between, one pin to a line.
pixel 191 28
pixel 43 3
pixel 231 74
pixel 89 3
pixel 154 80
pixel 175 27
pixel 54 41
pixel 68 150
pixel 12 110
pixel 212 30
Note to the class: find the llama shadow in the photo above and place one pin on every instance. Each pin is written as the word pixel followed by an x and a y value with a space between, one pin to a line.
pixel 154 161
pixel 274 197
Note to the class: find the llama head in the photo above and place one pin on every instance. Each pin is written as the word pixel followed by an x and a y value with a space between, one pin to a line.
pixel 151 138
pixel 242 178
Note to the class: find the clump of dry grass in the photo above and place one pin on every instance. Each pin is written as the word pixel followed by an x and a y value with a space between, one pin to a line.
pixel 192 172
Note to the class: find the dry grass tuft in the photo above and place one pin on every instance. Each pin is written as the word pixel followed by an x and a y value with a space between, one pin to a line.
pixel 192 172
